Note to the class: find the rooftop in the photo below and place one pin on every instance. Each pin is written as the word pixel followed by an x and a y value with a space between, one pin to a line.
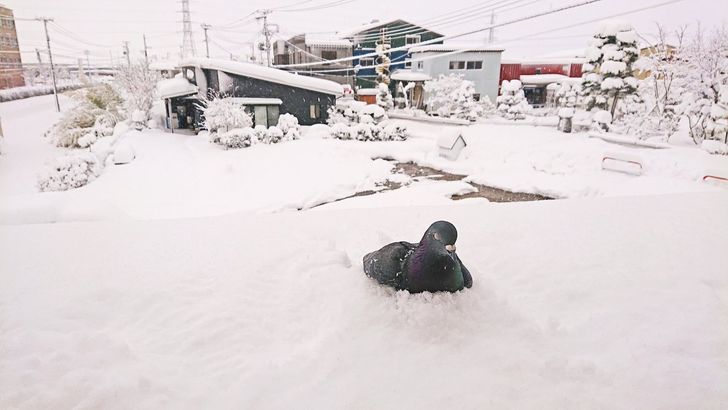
pixel 376 24
pixel 273 75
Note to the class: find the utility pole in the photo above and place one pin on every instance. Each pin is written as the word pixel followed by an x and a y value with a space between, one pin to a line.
pixel 267 33
pixel 146 53
pixel 126 51
pixel 45 21
pixel 88 63
pixel 206 27
pixel 491 32
pixel 37 54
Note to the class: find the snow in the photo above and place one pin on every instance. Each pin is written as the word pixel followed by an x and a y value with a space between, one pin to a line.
pixel 257 101
pixel 367 91
pixel 164 65
pixel 267 74
pixel 542 79
pixel 274 311
pixel 315 41
pixel 613 67
pixel 409 75
pixel 175 87
pixel 448 139
pixel 611 28
pixel 612 83
pixel 123 153
pixel 187 278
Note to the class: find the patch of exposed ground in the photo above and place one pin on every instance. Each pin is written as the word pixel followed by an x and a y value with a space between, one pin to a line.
pixel 416 171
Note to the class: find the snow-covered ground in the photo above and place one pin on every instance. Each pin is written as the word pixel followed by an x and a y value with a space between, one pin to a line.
pixel 180 281
pixel 615 303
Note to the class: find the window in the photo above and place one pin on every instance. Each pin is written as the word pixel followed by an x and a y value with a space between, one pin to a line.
pixel 457 65
pixel 475 65
pixel 412 39
pixel 476 97
pixel 420 65
pixel 265 115
pixel 190 75
pixel 366 62
pixel 408 64
pixel 315 111
pixel 538 71
pixel 328 54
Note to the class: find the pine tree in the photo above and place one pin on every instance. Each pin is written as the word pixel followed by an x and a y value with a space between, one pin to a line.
pixel 512 102
pixel 608 72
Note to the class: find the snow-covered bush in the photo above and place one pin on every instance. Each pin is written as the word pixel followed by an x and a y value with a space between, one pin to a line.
pixel 715 147
pixel 451 96
pixel 19 93
pixel 512 103
pixel 601 120
pixel 395 132
pixel 275 135
pixel 372 114
pixel 288 123
pixel 237 138
pixel 341 131
pixel 261 134
pixel 70 171
pixel 717 127
pixel 94 116
pixel 139 86
pixel 384 97
pixel 223 114
pixel 610 58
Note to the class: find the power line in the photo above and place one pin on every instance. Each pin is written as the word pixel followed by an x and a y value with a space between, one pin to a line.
pixel 440 39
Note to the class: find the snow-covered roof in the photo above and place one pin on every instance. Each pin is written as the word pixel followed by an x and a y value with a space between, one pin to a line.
pixel 163 65
pixel 409 75
pixel 448 139
pixel 367 91
pixel 175 87
pixel 317 40
pixel 273 75
pixel 257 101
pixel 542 79
pixel 442 48
pixel 376 24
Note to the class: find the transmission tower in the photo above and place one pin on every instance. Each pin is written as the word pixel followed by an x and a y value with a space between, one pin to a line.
pixel 188 44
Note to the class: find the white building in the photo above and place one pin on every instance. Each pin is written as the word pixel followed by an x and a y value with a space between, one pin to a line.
pixel 477 63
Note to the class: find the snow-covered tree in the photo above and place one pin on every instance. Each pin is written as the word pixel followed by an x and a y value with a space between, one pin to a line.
pixel 139 86
pixel 512 103
pixel 452 96
pixel 610 58
pixel 69 171
pixel 94 116
pixel 384 97
pixel 718 122
pixel 705 65
pixel 224 114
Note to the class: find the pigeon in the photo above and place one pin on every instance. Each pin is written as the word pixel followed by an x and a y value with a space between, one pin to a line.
pixel 428 266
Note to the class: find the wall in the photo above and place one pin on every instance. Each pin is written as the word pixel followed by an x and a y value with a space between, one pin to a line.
pixel 486 80
pixel 296 101
pixel 11 74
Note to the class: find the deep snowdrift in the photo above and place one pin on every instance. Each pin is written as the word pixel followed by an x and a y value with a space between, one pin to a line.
pixel 610 303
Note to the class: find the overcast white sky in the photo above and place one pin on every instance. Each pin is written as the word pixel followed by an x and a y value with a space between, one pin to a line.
pixel 101 26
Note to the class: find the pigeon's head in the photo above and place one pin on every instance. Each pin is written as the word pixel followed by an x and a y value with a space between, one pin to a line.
pixel 443 232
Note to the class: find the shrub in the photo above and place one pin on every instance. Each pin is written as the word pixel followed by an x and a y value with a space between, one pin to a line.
pixel 71 171
pixel 223 114
pixel 275 135
pixel 395 132
pixel 288 123
pixel 237 138
pixel 341 131
pixel 261 134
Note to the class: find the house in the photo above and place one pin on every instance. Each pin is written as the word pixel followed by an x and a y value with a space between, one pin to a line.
pixel 311 48
pixel 397 33
pixel 264 92
pixel 11 74
pixel 477 63
pixel 539 74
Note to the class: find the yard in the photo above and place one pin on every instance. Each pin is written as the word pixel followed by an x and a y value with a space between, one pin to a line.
pixel 198 277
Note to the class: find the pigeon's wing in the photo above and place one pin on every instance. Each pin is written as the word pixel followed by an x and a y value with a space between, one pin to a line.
pixel 468 279
pixel 385 265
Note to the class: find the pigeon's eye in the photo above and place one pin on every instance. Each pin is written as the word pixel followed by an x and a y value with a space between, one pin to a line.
pixel 437 236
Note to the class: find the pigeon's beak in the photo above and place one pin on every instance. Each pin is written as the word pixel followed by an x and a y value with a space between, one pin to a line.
pixel 450 248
